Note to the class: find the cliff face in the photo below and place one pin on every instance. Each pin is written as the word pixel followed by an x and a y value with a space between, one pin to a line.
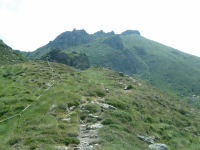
pixel 79 61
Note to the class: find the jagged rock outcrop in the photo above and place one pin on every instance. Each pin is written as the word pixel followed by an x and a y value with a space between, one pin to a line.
pixel 68 39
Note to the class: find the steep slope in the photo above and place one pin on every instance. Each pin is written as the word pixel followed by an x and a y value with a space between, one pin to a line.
pixel 129 52
pixel 8 56
pixel 53 106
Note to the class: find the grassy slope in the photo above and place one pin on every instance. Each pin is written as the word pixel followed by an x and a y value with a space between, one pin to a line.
pixel 168 69
pixel 8 56
pixel 162 66
pixel 142 110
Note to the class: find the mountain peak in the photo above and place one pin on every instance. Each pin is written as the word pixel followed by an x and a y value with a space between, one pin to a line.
pixel 71 38
pixel 101 32
pixel 82 31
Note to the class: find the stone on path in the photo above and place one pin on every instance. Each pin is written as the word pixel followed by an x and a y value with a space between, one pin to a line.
pixel 158 146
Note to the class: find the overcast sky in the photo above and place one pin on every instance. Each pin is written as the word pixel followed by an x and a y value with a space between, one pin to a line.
pixel 29 24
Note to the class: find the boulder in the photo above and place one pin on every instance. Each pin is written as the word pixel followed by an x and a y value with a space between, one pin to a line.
pixel 158 146
pixel 121 74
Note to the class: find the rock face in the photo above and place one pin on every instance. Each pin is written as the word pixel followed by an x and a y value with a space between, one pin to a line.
pixel 158 146
pixel 74 59
pixel 69 39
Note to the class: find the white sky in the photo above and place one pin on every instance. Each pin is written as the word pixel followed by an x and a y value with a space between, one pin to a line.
pixel 29 24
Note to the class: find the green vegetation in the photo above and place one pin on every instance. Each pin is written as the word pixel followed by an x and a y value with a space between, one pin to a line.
pixel 44 105
pixel 8 56
pixel 164 67
pixel 79 61
pixel 41 125
pixel 140 109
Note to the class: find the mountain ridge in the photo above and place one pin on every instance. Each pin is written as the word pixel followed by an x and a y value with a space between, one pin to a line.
pixel 129 52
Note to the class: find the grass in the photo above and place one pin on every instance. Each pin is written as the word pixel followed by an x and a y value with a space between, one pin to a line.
pixel 143 110
pixel 140 110
pixel 40 125
pixel 8 56
pixel 164 67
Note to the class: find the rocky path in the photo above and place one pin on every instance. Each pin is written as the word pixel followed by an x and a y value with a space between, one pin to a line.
pixel 88 136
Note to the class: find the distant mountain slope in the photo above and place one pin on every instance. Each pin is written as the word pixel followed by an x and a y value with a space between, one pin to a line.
pixel 129 52
pixel 52 106
pixel 8 56
pixel 79 61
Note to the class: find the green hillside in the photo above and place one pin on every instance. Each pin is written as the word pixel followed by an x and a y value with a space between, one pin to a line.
pixel 77 60
pixel 53 106
pixel 8 56
pixel 164 67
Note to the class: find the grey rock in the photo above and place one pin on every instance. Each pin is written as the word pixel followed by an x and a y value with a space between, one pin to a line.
pixel 133 80
pixel 66 119
pixel 48 84
pixel 107 90
pixel 158 146
pixel 95 126
pixel 128 87
pixel 53 106
pixel 93 116
pixel 61 147
pixel 149 140
pixel 121 74
pixel 106 106
pixel 72 108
